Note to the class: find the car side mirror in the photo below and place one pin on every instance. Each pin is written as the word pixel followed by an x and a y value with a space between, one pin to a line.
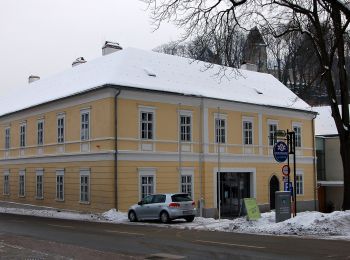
pixel 140 203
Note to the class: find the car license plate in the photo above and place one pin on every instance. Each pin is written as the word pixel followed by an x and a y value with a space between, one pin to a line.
pixel 187 212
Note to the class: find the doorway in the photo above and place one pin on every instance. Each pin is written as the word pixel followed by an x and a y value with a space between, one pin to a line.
pixel 234 187
pixel 274 186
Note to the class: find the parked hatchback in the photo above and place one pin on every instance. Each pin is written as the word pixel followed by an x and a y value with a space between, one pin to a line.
pixel 163 207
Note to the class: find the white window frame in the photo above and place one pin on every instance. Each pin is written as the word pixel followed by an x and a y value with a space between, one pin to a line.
pixel 7 138
pixel 41 121
pixel 22 135
pixel 39 172
pixel 85 133
pixel 187 172
pixel 6 190
pixel 144 109
pixel 224 118
pixel 299 183
pixel 251 121
pixel 61 139
pixel 185 113
pixel 147 172
pixel 299 125
pixel 22 173
pixel 269 123
pixel 85 172
pixel 59 172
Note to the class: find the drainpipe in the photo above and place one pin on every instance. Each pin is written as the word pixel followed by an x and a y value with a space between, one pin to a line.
pixel 314 162
pixel 116 147
pixel 201 156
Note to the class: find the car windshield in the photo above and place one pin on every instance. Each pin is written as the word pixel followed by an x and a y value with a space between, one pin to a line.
pixel 180 198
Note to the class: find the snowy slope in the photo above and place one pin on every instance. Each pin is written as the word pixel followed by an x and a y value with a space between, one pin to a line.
pixel 136 68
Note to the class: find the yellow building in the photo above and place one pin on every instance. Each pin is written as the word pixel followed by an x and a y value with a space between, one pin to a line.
pixel 177 125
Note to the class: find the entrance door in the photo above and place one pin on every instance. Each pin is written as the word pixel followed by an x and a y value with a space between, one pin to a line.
pixel 274 186
pixel 234 187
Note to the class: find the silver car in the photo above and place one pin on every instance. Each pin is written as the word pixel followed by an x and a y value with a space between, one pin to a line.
pixel 164 207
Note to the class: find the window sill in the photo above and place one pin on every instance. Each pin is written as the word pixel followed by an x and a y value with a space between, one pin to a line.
pixel 39 198
pixel 57 200
pixel 85 202
pixel 21 196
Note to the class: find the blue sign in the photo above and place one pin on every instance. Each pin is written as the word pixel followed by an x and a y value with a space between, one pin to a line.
pixel 288 187
pixel 280 151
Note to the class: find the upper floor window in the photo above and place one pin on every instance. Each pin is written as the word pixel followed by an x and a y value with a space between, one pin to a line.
pixel 85 125
pixel 247 132
pixel 7 138
pixel 40 129
pixel 185 127
pixel 297 131
pixel 300 183
pixel 22 135
pixel 60 129
pixel 272 129
pixel 147 121
pixel 220 129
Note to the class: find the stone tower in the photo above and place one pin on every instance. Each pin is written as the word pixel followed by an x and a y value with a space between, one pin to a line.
pixel 254 52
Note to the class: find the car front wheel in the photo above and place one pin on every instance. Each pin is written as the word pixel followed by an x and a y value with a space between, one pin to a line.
pixel 132 216
pixel 164 217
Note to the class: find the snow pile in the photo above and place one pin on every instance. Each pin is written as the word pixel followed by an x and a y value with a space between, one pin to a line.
pixel 304 224
pixel 115 216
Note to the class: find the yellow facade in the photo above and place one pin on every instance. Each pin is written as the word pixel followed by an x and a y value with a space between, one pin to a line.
pixel 164 156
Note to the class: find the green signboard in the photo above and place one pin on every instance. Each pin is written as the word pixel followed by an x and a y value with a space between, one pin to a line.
pixel 252 208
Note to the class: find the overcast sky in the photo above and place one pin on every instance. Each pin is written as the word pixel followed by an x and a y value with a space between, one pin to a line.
pixel 43 37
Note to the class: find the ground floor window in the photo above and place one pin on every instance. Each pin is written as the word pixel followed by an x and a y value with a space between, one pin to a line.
pixel 39 184
pixel 84 185
pixel 6 187
pixel 60 185
pixel 147 185
pixel 299 183
pixel 186 184
pixel 22 180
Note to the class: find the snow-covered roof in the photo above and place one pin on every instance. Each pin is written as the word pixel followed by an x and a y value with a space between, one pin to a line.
pixel 136 68
pixel 324 123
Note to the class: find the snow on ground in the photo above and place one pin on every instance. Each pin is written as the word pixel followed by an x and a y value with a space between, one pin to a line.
pixel 335 225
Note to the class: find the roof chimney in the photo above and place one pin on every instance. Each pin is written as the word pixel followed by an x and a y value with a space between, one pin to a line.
pixel 249 66
pixel 78 61
pixel 110 47
pixel 33 78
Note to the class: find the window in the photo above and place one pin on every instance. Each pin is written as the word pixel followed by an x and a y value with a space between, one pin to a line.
pixel 85 125
pixel 299 183
pixel 247 132
pixel 272 129
pixel 22 183
pixel 60 129
pixel 22 135
pixel 160 198
pixel 147 125
pixel 40 132
pixel 60 185
pixel 297 131
pixel 185 128
pixel 85 185
pixel 6 187
pixel 220 130
pixel 7 138
pixel 186 184
pixel 39 184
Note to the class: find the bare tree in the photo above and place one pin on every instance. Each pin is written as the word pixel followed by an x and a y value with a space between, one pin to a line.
pixel 324 22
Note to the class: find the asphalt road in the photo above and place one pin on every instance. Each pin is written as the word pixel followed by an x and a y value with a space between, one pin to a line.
pixel 26 237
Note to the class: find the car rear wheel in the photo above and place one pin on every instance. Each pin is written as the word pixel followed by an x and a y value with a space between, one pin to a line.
pixel 189 219
pixel 132 216
pixel 164 217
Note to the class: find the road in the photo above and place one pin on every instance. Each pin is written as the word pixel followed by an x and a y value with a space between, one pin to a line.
pixel 27 237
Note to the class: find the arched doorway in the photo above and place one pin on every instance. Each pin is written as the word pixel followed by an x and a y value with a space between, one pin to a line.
pixel 274 186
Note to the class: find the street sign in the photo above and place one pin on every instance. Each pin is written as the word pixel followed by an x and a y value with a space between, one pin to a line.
pixel 285 178
pixel 280 151
pixel 288 187
pixel 285 170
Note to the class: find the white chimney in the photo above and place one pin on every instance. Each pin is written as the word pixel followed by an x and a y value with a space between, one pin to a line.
pixel 110 47
pixel 33 78
pixel 249 66
pixel 78 61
